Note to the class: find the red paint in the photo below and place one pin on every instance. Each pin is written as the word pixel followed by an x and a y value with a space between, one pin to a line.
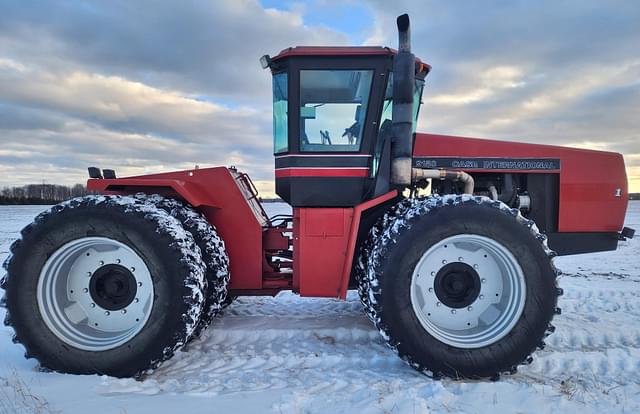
pixel 322 155
pixel 215 193
pixel 324 247
pixel 322 172
pixel 588 179
pixel 320 247
pixel 353 237
pixel 324 238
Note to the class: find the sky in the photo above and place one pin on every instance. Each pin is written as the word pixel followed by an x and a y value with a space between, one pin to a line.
pixel 150 86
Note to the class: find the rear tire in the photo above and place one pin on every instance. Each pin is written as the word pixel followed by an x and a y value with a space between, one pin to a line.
pixel 73 268
pixel 213 253
pixel 408 265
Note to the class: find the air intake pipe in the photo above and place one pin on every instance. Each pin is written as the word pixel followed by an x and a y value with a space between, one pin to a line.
pixel 463 177
pixel 402 116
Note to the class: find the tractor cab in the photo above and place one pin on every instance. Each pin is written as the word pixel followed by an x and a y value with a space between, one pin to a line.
pixel 332 116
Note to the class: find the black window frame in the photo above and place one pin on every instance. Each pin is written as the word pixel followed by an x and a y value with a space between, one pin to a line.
pixel 379 64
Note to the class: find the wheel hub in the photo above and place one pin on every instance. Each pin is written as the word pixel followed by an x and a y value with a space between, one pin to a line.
pixel 113 287
pixel 468 291
pixel 457 285
pixel 95 293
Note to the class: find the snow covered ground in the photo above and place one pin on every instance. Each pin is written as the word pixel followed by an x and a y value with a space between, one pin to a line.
pixel 294 355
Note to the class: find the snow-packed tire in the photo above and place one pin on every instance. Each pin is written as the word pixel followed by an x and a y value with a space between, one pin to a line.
pixel 104 285
pixel 461 286
pixel 227 302
pixel 362 281
pixel 213 252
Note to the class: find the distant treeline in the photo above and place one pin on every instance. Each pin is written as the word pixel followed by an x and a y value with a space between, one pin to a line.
pixel 53 194
pixel 40 193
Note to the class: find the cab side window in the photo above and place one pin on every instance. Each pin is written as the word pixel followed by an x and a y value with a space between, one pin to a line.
pixel 333 106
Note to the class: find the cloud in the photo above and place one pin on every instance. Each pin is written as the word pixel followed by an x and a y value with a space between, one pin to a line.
pixel 544 72
pixel 121 104
pixel 149 86
pixel 209 48
pixel 141 87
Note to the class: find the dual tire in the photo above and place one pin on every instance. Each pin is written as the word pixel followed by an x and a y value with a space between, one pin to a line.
pixel 459 286
pixel 113 284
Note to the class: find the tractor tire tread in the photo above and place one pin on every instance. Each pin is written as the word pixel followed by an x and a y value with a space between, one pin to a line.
pixel 384 234
pixel 213 252
pixel 180 242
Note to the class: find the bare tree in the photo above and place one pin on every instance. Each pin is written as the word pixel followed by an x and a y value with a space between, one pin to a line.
pixel 40 193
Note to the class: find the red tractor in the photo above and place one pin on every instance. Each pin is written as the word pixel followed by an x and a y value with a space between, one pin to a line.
pixel 460 282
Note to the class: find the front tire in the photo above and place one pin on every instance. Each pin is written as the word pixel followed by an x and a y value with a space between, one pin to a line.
pixel 461 286
pixel 104 285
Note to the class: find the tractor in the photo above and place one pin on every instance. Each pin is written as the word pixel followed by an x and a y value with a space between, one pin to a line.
pixel 448 240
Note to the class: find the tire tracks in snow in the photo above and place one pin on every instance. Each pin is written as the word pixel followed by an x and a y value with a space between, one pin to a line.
pixel 330 346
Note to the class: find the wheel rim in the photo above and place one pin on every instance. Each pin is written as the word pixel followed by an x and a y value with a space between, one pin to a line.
pixel 95 293
pixel 468 291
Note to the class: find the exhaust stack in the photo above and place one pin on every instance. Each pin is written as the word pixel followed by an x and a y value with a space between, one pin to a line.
pixel 402 116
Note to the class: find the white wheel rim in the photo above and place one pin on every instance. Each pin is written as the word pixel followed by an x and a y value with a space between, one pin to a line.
pixel 86 298
pixel 492 311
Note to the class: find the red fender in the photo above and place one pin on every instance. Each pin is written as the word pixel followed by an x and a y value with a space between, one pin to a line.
pixel 224 197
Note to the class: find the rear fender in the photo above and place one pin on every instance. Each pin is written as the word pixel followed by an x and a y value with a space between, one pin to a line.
pixel 225 199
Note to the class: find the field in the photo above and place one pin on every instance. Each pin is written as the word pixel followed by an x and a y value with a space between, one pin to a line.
pixel 296 355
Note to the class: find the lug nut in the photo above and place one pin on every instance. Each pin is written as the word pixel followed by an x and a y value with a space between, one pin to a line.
pixel 85 290
pixel 118 261
pixel 438 304
pixel 481 296
pixel 101 263
pixel 136 300
pixel 453 311
pixel 433 273
pixel 460 259
pixel 475 266
pixel 444 262
pixel 93 305
pixel 133 269
pixel 470 308
pixel 484 280
pixel 107 313
pixel 139 283
pixel 88 273
pixel 124 311
pixel 430 289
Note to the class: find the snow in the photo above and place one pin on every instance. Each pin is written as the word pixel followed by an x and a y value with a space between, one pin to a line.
pixel 298 355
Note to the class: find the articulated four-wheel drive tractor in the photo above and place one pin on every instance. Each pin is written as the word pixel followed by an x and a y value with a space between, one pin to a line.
pixel 460 283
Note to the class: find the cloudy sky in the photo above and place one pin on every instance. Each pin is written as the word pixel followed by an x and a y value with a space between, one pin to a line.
pixel 147 86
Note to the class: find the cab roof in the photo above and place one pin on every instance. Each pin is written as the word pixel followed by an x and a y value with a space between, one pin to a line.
pixel 338 51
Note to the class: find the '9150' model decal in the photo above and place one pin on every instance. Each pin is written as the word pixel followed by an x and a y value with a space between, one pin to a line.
pixel 521 164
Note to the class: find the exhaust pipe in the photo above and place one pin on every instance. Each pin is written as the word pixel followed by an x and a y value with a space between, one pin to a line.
pixel 402 116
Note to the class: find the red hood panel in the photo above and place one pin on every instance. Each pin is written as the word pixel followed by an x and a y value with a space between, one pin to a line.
pixel 590 181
